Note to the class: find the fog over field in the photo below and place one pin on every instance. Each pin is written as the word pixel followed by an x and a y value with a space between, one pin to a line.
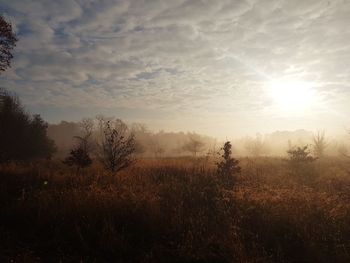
pixel 192 131
pixel 270 144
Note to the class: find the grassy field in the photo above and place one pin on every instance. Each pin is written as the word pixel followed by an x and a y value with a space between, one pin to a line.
pixel 176 210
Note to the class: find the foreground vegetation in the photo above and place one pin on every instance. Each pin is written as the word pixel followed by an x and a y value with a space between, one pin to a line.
pixel 176 210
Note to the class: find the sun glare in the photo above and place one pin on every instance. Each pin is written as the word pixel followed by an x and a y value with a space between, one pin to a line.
pixel 292 96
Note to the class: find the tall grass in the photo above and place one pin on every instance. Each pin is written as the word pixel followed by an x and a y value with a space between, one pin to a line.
pixel 175 210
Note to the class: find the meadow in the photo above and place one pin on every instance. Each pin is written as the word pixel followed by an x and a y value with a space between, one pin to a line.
pixel 104 190
pixel 176 210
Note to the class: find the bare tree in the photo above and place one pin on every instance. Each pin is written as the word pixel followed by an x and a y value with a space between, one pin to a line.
pixel 194 145
pixel 87 127
pixel 320 144
pixel 117 145
pixel 7 43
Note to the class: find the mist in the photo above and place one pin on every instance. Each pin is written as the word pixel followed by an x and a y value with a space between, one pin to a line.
pixel 192 131
pixel 161 143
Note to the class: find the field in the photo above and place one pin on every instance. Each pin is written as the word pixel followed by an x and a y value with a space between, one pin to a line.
pixel 176 210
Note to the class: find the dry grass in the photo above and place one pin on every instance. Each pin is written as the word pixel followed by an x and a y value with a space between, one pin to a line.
pixel 176 210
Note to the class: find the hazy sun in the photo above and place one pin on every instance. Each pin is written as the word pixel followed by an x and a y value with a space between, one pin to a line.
pixel 292 95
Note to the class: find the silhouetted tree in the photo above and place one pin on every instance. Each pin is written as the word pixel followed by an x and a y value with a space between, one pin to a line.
pixel 7 43
pixel 228 167
pixel 194 145
pixel 320 144
pixel 85 139
pixel 80 155
pixel 79 158
pixel 22 136
pixel 117 145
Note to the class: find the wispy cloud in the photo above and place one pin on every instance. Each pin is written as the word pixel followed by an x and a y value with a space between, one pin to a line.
pixel 186 57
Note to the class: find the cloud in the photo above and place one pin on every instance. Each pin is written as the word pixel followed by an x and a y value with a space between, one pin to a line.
pixel 189 57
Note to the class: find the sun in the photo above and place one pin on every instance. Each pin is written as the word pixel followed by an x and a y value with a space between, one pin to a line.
pixel 292 96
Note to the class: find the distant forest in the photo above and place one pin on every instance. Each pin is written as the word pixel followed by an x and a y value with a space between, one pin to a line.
pixel 171 144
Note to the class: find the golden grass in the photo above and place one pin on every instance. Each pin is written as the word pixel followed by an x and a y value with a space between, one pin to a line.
pixel 176 210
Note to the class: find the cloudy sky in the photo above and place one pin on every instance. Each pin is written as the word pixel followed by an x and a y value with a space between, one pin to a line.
pixel 217 67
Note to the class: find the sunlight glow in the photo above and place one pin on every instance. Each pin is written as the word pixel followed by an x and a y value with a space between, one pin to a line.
pixel 292 95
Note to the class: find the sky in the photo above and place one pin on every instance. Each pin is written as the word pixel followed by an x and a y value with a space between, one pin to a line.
pixel 221 68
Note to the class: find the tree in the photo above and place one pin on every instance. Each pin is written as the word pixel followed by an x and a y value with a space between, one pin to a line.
pixel 194 145
pixel 320 144
pixel 117 145
pixel 228 167
pixel 80 155
pixel 22 136
pixel 7 43
pixel 79 158
pixel 85 139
